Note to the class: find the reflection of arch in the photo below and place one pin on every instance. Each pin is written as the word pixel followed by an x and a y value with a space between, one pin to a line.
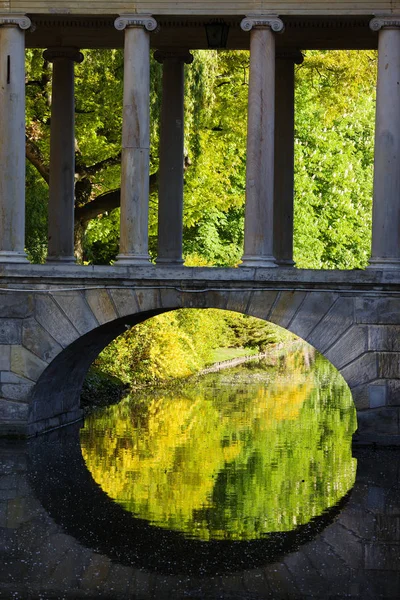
pixel 73 327
pixel 59 475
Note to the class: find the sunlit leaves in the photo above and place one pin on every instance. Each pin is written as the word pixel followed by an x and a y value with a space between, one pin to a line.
pixel 334 159
pixel 169 346
pixel 180 343
pixel 334 153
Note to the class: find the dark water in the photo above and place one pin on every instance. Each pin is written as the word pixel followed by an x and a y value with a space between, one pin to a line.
pixel 243 485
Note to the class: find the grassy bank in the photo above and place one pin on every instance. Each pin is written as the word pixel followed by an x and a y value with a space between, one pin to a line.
pixel 221 354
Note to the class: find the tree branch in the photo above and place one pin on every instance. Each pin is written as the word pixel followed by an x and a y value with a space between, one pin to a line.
pixel 37 82
pixel 80 111
pixel 84 171
pixel 35 157
pixel 106 203
pixel 153 182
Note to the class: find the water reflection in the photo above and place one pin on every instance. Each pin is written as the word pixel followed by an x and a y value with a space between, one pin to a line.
pixel 62 537
pixel 72 498
pixel 236 456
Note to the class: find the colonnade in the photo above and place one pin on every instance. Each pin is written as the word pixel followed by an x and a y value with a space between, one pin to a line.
pixel 268 239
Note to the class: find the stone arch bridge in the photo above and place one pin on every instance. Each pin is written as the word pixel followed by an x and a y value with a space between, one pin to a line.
pixel 55 320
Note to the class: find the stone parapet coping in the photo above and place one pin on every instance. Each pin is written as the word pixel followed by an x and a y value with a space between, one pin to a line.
pixel 38 276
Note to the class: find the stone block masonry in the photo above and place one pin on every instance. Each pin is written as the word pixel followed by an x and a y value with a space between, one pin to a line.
pixel 54 321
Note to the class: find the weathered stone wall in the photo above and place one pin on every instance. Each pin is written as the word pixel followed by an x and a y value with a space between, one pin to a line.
pixel 53 544
pixel 50 335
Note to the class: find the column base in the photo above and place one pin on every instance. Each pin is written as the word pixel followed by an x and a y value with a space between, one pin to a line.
pixel 13 257
pixel 287 264
pixel 132 259
pixel 169 262
pixel 250 260
pixel 61 260
pixel 384 263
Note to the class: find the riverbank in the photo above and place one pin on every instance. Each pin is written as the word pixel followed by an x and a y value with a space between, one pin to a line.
pixel 272 353
pixel 103 389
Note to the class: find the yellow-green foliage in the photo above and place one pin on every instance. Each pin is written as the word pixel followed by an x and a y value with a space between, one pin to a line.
pixel 155 350
pixel 335 104
pixel 229 462
pixel 180 343
pixel 169 346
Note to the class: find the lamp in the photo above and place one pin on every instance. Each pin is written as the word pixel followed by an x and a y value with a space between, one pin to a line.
pixel 217 33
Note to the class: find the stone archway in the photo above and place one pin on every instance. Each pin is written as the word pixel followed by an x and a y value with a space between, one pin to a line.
pixel 69 329
pixel 45 326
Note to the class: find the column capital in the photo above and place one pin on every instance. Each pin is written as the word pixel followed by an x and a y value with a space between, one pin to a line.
pixel 51 54
pixel 173 55
pixel 19 20
pixel 146 21
pixel 262 21
pixel 378 23
pixel 294 55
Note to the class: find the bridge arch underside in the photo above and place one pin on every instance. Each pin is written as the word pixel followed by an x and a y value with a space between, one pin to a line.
pixel 53 337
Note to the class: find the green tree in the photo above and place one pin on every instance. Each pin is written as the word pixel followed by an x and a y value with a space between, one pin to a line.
pixel 334 147
pixel 335 104
pixel 248 332
pixel 180 343
pixel 98 112
pixel 170 346
pixel 98 116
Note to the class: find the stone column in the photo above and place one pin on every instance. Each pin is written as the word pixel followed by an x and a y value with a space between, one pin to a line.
pixel 62 155
pixel 170 178
pixel 386 204
pixel 284 157
pixel 258 231
pixel 12 137
pixel 135 139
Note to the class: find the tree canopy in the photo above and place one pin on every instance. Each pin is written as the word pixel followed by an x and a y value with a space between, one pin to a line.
pixel 180 343
pixel 333 149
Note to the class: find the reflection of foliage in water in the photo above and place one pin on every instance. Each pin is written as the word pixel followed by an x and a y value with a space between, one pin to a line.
pixel 229 461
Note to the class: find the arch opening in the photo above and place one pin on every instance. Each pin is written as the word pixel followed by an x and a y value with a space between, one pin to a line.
pixel 59 387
